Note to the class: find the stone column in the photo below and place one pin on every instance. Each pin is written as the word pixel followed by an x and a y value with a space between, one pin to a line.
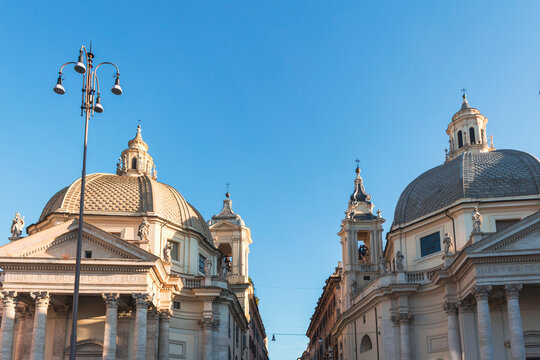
pixel 142 301
pixel 396 337
pixel 29 329
pixel 207 324
pixel 37 350
pixel 454 346
pixel 164 325
pixel 152 333
pixel 60 331
pixel 404 321
pixel 517 344
pixel 20 333
pixel 8 321
pixel 122 347
pixel 111 318
pixel 481 292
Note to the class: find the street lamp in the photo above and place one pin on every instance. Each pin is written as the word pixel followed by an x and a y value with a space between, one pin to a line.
pixel 89 105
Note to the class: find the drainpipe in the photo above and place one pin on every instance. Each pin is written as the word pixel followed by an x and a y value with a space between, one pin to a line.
pixel 453 229
pixel 377 332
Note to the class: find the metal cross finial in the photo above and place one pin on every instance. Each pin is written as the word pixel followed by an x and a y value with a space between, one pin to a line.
pixel 139 122
pixel 464 91
pixel 357 161
pixel 228 187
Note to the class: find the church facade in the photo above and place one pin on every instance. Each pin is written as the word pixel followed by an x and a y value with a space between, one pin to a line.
pixel 459 276
pixel 157 280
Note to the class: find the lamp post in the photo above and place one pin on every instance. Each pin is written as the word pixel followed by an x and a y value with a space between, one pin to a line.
pixel 89 105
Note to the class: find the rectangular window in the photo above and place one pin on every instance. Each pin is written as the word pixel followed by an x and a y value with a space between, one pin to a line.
pixel 176 305
pixel 430 244
pixel 87 254
pixel 201 263
pixel 175 251
pixel 500 225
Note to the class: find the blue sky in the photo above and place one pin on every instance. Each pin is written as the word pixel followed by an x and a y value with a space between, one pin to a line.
pixel 276 97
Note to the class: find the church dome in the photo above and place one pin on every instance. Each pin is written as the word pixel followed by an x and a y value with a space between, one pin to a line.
pixel 133 191
pixel 108 194
pixel 470 175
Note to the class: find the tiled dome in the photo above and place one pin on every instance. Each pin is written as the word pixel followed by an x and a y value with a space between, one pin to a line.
pixel 108 194
pixel 471 175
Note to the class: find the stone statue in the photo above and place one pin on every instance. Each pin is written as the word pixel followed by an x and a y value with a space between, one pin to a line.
pixel 399 260
pixel 207 266
pixel 382 264
pixel 154 171
pixel 223 270
pixel 119 167
pixel 17 226
pixel 167 252
pixel 448 245
pixel 379 212
pixel 140 165
pixel 125 162
pixel 143 229
pixel 477 220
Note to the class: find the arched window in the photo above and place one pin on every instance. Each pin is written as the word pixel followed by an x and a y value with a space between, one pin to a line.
pixel 460 139
pixel 134 163
pixel 471 136
pixel 365 345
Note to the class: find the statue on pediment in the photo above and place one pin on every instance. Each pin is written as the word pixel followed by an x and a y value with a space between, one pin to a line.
pixel 382 264
pixel 477 220
pixel 17 225
pixel 224 269
pixel 167 252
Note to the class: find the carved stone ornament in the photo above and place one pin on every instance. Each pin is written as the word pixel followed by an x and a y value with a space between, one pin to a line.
pixel 382 264
pixel 477 220
pixel 512 290
pixel 209 323
pixel 399 260
pixel 481 292
pixel 448 245
pixel 165 314
pixel 395 320
pixel 466 306
pixel 450 307
pixel 405 318
pixel 143 229
pixel 111 299
pixel 142 299
pixel 224 269
pixel 17 225
pixel 40 297
pixel 167 252
pixel 207 266
pixel 9 298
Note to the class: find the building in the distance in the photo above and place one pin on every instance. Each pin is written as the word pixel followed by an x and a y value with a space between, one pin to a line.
pixel 154 284
pixel 459 276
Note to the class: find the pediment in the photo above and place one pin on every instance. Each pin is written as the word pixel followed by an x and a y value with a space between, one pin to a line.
pixel 59 242
pixel 520 237
pixel 225 225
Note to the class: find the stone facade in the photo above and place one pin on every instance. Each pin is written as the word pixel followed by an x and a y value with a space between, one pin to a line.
pixel 143 292
pixel 458 278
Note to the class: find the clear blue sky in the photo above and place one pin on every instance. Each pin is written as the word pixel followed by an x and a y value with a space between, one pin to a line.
pixel 276 97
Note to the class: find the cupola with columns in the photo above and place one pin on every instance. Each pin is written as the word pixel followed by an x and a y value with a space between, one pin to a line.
pixel 467 132
pixel 135 160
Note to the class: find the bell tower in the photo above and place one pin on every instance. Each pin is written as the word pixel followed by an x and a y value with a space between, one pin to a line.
pixel 233 238
pixel 361 241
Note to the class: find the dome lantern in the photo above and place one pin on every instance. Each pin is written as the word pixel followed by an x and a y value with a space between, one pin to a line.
pixel 135 160
pixel 467 131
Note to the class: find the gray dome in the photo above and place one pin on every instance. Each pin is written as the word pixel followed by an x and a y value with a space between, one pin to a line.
pixel 501 173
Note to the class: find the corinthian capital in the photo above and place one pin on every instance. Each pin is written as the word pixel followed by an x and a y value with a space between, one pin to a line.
pixel 111 299
pixel 40 297
pixel 142 299
pixel 512 290
pixel 481 292
pixel 405 318
pixel 9 298
pixel 450 307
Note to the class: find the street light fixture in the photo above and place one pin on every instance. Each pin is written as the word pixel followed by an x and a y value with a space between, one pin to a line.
pixel 89 105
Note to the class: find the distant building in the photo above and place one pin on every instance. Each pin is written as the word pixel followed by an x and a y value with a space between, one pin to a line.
pixel 153 283
pixel 459 277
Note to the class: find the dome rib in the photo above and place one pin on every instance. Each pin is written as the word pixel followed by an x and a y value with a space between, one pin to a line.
pixel 502 173
pixel 109 194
